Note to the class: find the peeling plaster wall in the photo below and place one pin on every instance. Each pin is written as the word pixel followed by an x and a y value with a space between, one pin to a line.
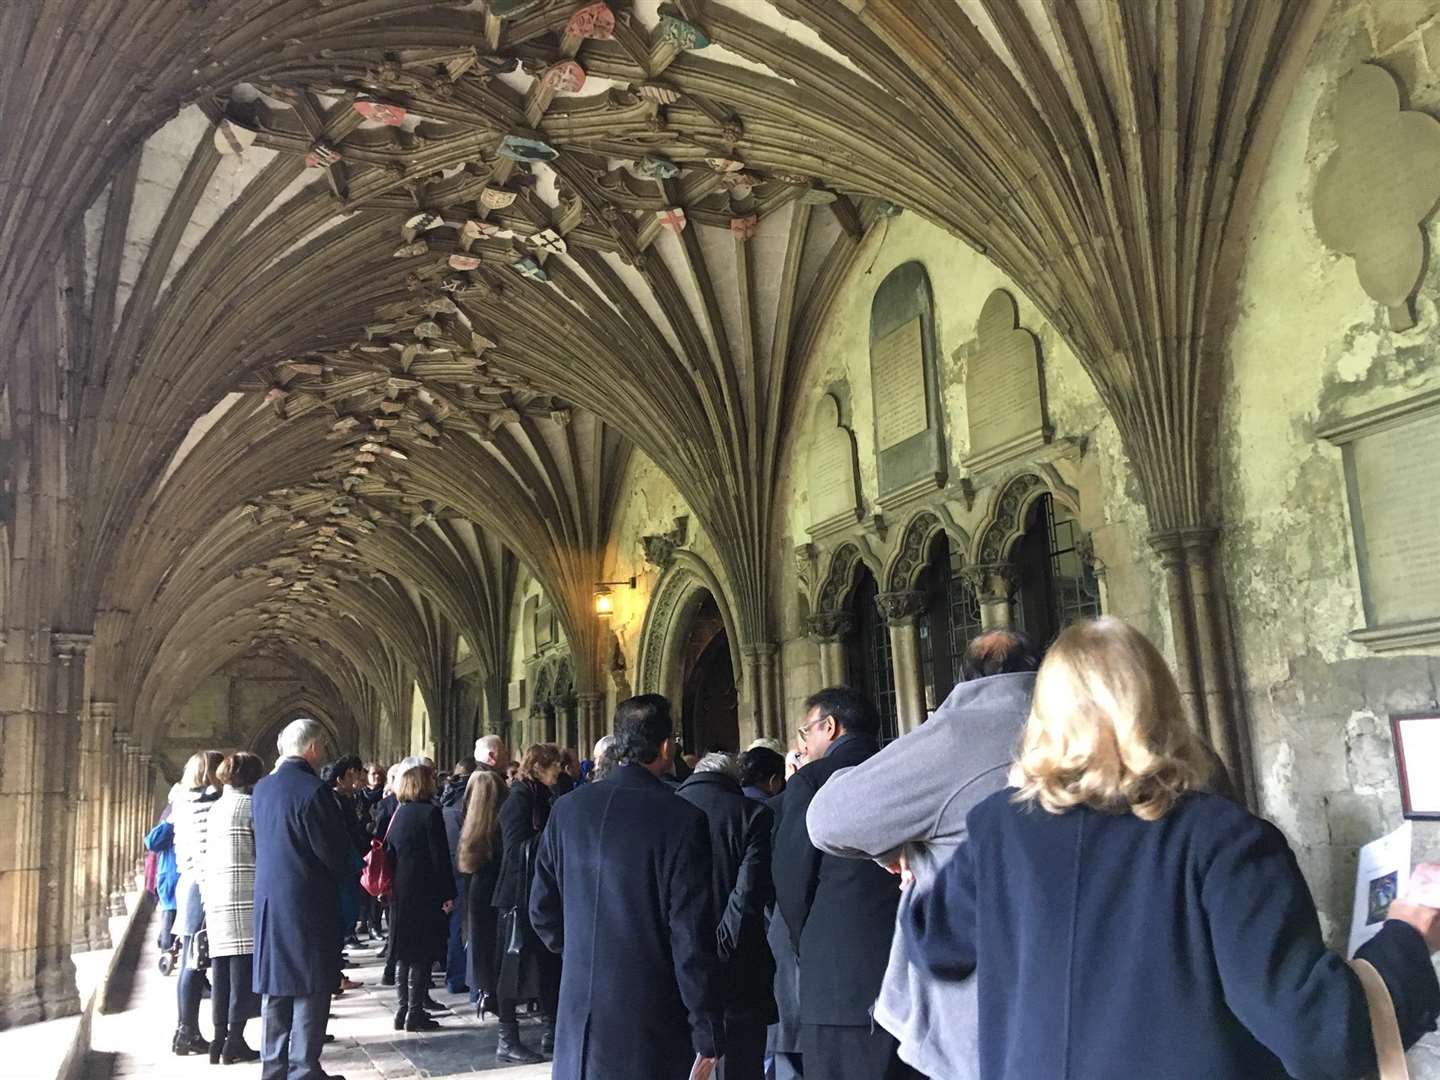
pixel 649 505
pixel 1309 347
pixel 961 281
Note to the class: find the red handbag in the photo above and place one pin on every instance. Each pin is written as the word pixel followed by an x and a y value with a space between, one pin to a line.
pixel 377 876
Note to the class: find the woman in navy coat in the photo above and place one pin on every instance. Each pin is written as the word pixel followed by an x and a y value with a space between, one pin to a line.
pixel 1124 923
pixel 423 893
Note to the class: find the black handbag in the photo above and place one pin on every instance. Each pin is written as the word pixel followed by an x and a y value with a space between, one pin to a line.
pixel 513 919
pixel 199 950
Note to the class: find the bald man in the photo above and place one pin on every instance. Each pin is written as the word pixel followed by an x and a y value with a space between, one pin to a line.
pixel 913 797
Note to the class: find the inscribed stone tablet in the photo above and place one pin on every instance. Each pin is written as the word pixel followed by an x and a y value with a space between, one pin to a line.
pixel 1395 477
pixel 1002 385
pixel 831 469
pixel 898 370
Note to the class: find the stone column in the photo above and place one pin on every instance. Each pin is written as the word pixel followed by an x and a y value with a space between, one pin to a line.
pixel 774 722
pixel 97 906
pixel 591 722
pixel 119 818
pixel 828 628
pixel 1171 549
pixel 140 801
pixel 758 692
pixel 901 610
pixel 994 585
pixel 55 975
pixel 92 929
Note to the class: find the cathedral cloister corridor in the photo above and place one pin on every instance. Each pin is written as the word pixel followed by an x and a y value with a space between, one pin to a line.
pixel 435 369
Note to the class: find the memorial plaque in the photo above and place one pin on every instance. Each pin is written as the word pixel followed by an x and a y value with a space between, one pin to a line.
pixel 905 387
pixel 1392 472
pixel 831 471
pixel 1004 394
pixel 898 362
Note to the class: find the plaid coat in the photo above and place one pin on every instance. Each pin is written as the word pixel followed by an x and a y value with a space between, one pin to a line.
pixel 228 880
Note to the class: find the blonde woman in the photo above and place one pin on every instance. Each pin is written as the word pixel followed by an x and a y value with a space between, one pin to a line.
pixel 478 855
pixel 189 813
pixel 1123 922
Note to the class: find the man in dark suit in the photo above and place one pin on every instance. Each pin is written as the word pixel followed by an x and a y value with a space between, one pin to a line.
pixel 302 856
pixel 741 885
pixel 622 889
pixel 840 912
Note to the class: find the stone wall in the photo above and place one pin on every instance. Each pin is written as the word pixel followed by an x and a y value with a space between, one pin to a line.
pixel 1094 465
pixel 1308 348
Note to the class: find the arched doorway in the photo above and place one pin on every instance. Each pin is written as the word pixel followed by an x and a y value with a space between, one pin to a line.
pixel 710 705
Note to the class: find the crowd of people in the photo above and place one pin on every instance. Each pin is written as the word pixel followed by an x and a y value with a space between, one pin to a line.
pixel 1051 877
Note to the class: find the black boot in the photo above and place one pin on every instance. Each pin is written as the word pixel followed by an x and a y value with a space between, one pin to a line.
pixel 547 1037
pixel 238 1050
pixel 188 1041
pixel 402 998
pixel 217 1047
pixel 511 1049
pixel 418 976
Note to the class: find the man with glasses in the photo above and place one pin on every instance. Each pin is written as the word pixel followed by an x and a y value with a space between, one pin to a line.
pixel 839 912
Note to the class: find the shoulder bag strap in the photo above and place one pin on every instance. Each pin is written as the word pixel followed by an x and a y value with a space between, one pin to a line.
pixel 1389 1050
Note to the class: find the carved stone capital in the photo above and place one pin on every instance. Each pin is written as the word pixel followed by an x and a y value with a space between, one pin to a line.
pixel 829 625
pixel 996 580
pixel 900 608
pixel 67 647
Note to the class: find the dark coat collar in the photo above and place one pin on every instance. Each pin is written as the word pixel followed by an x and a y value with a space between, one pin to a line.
pixel 295 764
pixel 633 775
pixel 712 779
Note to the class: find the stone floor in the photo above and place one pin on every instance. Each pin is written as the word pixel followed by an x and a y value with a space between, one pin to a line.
pixel 135 1042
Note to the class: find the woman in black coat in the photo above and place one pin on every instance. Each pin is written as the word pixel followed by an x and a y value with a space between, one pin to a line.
pixel 1123 922
pixel 423 893
pixel 479 852
pixel 527 969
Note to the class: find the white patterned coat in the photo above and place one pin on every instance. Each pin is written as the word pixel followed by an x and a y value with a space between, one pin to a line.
pixel 228 878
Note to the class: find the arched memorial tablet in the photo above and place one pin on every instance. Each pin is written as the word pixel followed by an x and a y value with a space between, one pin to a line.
pixel 909 445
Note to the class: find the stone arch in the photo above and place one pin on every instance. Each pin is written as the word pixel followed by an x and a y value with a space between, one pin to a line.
pixel 845 563
pixel 679 593
pixel 1006 521
pixel 913 553
pixel 297 705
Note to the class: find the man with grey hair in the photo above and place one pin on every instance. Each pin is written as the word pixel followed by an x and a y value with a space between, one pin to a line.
pixel 492 753
pixel 910 800
pixel 302 855
pixel 741 886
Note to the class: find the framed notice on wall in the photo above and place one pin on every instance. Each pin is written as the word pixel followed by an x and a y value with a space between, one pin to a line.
pixel 1417 754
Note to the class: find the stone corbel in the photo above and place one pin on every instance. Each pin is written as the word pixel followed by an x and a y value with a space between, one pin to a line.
pixel 660 548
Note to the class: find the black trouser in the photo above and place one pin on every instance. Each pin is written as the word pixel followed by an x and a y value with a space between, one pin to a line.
pixel 842 1052
pixel 189 989
pixel 744 1050
pixel 229 994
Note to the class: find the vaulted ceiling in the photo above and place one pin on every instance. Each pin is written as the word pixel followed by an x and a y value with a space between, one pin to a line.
pixel 334 311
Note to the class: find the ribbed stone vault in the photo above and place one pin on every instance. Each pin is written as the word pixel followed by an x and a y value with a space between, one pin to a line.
pixel 297 363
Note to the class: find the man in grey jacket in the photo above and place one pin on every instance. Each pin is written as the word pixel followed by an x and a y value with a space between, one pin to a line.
pixel 912 798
